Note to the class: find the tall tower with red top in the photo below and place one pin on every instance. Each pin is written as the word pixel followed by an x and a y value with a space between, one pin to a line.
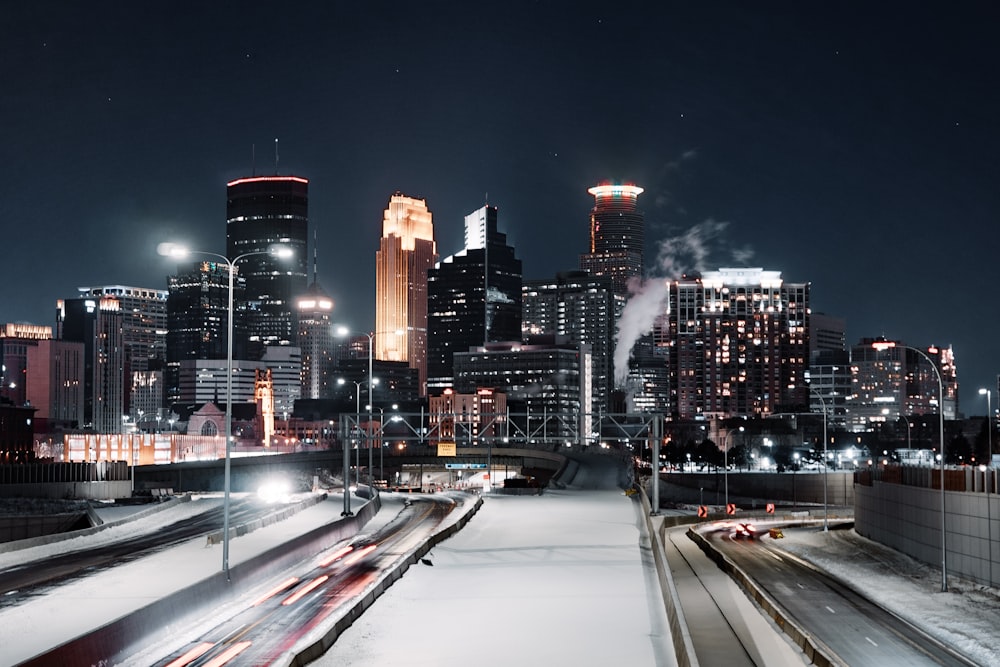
pixel 616 235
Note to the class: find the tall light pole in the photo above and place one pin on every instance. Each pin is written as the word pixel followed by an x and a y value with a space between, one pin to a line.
pixel 725 461
pixel 989 424
pixel 180 252
pixel 885 345
pixel 357 425
pixel 826 464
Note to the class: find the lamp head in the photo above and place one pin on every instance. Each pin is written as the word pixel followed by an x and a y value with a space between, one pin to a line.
pixel 174 250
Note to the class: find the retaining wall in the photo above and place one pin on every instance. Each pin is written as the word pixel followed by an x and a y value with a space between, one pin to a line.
pixel 908 519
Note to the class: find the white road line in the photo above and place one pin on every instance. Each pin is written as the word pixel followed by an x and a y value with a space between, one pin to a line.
pixel 870 641
pixel 830 609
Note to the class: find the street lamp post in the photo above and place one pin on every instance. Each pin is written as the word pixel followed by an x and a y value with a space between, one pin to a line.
pixel 826 464
pixel 725 460
pixel 180 252
pixel 989 424
pixel 885 345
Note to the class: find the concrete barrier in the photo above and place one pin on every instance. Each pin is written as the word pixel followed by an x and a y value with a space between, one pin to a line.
pixel 116 641
pixel 683 645
pixel 815 651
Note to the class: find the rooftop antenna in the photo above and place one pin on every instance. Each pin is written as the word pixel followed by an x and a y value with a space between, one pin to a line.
pixel 314 258
pixel 275 155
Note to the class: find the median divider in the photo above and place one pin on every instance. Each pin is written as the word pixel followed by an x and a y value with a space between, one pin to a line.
pixel 117 641
pixel 683 645
pixel 815 651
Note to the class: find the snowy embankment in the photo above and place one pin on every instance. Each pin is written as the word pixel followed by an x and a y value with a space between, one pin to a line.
pixel 966 617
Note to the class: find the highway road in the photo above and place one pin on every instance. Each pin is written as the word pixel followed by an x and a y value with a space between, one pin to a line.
pixel 849 626
pixel 282 618
pixel 19 583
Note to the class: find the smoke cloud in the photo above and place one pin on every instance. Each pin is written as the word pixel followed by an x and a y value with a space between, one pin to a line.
pixel 676 256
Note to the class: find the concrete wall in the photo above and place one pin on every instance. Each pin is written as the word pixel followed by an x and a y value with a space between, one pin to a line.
pixel 908 519
pixel 66 490
pixel 759 487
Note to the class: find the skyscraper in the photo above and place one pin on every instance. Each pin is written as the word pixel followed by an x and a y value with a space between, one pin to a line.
pixel 263 211
pixel 406 252
pixel 616 235
pixel 582 307
pixel 737 343
pixel 198 317
pixel 473 297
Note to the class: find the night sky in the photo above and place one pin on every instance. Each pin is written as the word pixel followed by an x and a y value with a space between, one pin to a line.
pixel 850 145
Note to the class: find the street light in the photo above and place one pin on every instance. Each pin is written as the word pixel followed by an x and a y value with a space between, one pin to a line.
pixel 180 252
pixel 989 424
pixel 725 461
pixel 885 345
pixel 826 464
pixel 343 331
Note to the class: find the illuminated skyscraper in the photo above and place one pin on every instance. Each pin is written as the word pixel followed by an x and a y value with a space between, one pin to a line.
pixel 263 211
pixel 317 342
pixel 406 252
pixel 616 235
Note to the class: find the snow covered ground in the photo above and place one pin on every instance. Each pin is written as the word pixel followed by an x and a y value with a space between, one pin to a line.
pixel 966 617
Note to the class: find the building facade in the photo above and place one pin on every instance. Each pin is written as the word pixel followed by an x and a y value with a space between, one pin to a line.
pixel 16 341
pixel 406 253
pixel 473 297
pixel 580 307
pixel 55 385
pixel 261 212
pixel 617 235
pixel 548 377
pixel 316 340
pixel 737 344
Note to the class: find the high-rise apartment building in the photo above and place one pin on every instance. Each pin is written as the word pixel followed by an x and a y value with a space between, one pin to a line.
pixel 898 382
pixel 737 343
pixel 580 307
pixel 144 335
pixel 617 232
pixel 406 253
pixel 316 340
pixel 261 212
pixel 473 297
pixel 99 324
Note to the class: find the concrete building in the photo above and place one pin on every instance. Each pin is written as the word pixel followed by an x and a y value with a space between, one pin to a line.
pixel 16 340
pixel 55 385
pixel 316 340
pixel 407 251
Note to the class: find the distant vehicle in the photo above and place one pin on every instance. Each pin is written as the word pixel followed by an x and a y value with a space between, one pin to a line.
pixel 744 531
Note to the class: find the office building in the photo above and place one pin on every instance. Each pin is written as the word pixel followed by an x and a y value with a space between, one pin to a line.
pixel 16 340
pixel 406 253
pixel 830 377
pixel 198 319
pixel 617 231
pixel 473 297
pixel 737 344
pixel 55 385
pixel 547 378
pixel 261 212
pixel 580 307
pixel 468 420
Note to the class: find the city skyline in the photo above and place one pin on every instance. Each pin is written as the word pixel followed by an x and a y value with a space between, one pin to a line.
pixel 847 146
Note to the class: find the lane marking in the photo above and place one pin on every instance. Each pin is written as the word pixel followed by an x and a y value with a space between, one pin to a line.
pixel 830 609
pixel 870 641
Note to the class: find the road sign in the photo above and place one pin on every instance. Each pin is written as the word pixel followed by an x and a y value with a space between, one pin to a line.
pixel 702 511
pixel 465 466
pixel 731 508
pixel 446 449
pixel 769 508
